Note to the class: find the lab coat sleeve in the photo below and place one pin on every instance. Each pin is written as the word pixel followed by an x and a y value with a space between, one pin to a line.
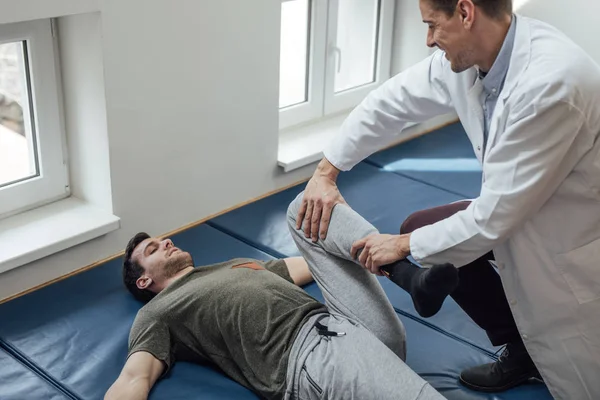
pixel 415 95
pixel 540 146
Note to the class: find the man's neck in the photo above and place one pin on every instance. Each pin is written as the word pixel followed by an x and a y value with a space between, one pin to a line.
pixel 491 41
pixel 177 276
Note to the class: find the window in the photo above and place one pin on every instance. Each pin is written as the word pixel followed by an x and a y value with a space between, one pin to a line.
pixel 32 168
pixel 333 53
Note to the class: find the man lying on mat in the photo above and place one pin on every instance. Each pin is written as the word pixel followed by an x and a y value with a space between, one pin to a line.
pixel 251 320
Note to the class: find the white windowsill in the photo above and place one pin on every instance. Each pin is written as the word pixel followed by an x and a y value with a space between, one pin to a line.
pixel 49 229
pixel 300 146
pixel 304 145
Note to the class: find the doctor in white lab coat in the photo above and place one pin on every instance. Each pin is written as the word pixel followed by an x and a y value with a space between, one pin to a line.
pixel 539 207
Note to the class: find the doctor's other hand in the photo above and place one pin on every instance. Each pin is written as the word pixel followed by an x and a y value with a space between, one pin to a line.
pixel 379 250
pixel 320 197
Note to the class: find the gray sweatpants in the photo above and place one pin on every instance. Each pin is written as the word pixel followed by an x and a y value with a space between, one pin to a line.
pixel 368 361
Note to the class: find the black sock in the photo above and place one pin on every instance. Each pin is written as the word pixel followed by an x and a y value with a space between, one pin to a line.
pixel 428 287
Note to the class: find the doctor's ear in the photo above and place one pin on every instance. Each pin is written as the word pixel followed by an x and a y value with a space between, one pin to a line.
pixel 466 11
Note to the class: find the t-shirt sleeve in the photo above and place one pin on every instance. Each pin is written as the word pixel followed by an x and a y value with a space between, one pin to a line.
pixel 278 267
pixel 151 334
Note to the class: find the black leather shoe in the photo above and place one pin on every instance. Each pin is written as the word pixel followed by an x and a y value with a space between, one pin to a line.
pixel 513 368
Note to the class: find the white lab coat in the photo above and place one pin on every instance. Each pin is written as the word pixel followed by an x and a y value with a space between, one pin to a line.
pixel 539 208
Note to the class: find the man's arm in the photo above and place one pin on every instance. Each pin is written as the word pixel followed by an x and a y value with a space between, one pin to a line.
pixel 138 376
pixel 299 271
pixel 415 95
pixel 543 141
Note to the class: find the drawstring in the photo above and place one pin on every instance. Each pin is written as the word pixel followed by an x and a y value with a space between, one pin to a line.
pixel 324 330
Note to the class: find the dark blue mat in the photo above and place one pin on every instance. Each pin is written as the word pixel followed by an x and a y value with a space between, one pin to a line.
pixel 443 158
pixel 77 329
pixel 18 382
pixel 384 199
pixel 190 381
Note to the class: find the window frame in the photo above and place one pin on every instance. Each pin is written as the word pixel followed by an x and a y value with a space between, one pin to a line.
pixel 322 99
pixel 312 108
pixel 337 102
pixel 52 181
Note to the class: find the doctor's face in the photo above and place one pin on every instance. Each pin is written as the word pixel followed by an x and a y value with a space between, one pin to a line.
pixel 450 33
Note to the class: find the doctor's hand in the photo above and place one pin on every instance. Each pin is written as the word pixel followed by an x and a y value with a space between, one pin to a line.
pixel 379 250
pixel 320 196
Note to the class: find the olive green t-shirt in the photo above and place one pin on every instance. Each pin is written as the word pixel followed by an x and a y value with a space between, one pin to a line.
pixel 241 315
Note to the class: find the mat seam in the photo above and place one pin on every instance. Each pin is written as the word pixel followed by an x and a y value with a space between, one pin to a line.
pixel 373 164
pixel 436 328
pixel 264 249
pixel 36 369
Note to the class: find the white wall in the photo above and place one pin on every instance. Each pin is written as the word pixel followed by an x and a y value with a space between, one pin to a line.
pixel 410 34
pixel 191 99
pixel 85 108
pixel 578 19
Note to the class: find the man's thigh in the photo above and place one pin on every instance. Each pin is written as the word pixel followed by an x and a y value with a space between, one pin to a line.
pixel 348 288
pixel 359 366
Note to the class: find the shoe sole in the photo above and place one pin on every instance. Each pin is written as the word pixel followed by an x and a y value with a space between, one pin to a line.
pixel 517 382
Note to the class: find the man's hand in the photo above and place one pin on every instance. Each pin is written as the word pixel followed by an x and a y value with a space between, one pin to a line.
pixel 379 250
pixel 320 196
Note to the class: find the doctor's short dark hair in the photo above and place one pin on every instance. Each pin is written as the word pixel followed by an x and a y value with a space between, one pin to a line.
pixel 132 270
pixel 492 8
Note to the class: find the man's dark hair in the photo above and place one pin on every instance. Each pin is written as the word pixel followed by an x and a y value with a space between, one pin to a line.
pixel 132 270
pixel 492 8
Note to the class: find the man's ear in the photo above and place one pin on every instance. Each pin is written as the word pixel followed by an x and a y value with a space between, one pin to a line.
pixel 143 282
pixel 466 12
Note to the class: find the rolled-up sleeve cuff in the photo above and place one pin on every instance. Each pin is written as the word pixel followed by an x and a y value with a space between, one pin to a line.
pixel 337 160
pixel 418 250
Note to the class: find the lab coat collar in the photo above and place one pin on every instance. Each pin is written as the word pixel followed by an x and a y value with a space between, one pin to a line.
pixel 520 59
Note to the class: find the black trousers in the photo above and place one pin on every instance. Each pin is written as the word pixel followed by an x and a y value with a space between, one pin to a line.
pixel 480 293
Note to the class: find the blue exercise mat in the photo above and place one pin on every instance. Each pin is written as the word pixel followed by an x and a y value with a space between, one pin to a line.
pixel 188 381
pixel 77 329
pixel 81 327
pixel 384 199
pixel 18 382
pixel 443 158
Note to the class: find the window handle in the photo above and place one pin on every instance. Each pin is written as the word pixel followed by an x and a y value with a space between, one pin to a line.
pixel 338 57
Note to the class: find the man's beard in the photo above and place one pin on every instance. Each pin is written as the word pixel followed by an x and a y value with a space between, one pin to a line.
pixel 462 61
pixel 177 263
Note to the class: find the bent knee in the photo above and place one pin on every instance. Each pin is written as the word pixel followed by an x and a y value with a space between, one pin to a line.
pixel 293 208
pixel 413 222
